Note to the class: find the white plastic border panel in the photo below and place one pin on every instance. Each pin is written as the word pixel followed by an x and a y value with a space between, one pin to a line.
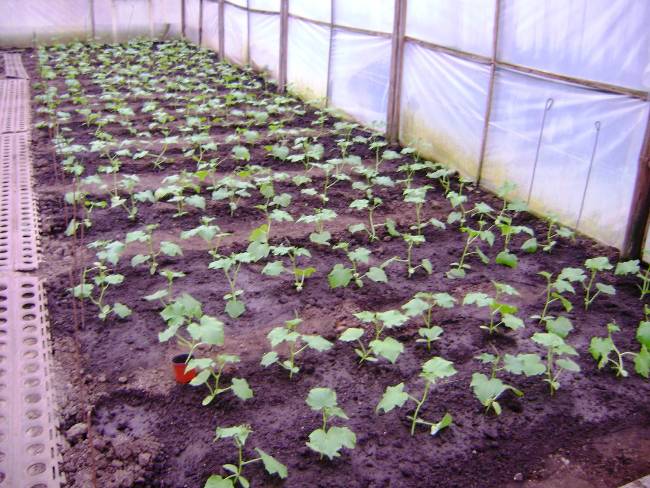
pixel 307 58
pixel 211 24
pixel 192 8
pixel 603 40
pixel 167 13
pixel 565 152
pixel 236 34
pixel 319 10
pixel 45 21
pixel 442 107
pixel 359 76
pixel 265 42
pixel 465 25
pixel 375 15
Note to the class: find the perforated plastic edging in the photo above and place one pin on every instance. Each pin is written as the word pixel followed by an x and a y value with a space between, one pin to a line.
pixel 14 66
pixel 14 106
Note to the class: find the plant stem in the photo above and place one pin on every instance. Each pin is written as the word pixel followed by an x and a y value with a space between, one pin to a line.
pixel 419 405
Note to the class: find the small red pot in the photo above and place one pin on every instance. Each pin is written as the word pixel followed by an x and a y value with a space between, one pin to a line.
pixel 179 364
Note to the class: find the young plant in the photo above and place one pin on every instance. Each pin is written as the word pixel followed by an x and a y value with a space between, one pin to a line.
pixel 605 351
pixel 146 236
pixel 473 237
pixel 276 268
pixel 209 232
pixel 556 288
pixel 556 351
pixel 341 276
pixel 233 188
pixel 508 230
pixel 318 218
pixel 554 231
pixel 369 204
pixel 230 265
pixel 173 191
pixel 165 294
pixel 500 313
pixel 422 304
pixel 418 197
pixel 388 348
pixel 633 268
pixel 273 205
pixel 433 370
pixel 296 342
pixel 239 434
pixel 329 441
pixel 596 265
pixel 412 241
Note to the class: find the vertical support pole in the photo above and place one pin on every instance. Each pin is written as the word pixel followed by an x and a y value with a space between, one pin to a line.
pixel 222 33
pixel 183 19
pixel 490 95
pixel 200 23
pixel 114 20
pixel 328 92
pixel 396 70
pixel 248 33
pixel 92 18
pixel 150 8
pixel 284 45
pixel 640 208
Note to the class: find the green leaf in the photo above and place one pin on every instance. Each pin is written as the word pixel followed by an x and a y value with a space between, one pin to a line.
pixel 196 201
pixel 114 279
pixel 388 348
pixel 600 348
pixel 317 343
pixel 560 326
pixel 547 340
pixel 431 334
pixel 437 368
pixel 606 289
pixel 272 465
pixel 572 274
pixel 83 291
pixel 211 331
pixel 528 364
pixel 512 322
pixel 445 422
pixel 241 153
pixel 241 389
pixel 320 398
pixel 392 318
pixel 427 266
pixel 340 276
pixel 507 259
pixel 627 267
pixel 121 310
pixel 330 442
pixel 377 275
pixel 321 238
pixel 530 246
pixel 479 299
pixel 643 333
pixel 274 268
pixel 415 307
pixel 201 378
pixel 351 334
pixel 216 481
pixel 642 362
pixel 170 249
pixel 241 432
pixel 269 358
pixel 394 396
pixel 568 364
pixel 158 295
pixel 598 264
pixel 235 308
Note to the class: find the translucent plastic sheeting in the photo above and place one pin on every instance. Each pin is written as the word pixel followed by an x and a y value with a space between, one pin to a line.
pixel 269 5
pixel 241 3
pixel 359 76
pixel 465 25
pixel 307 58
pixel 604 40
pixel 376 15
pixel 265 42
pixel 24 22
pixel 442 107
pixel 236 34
pixel 167 18
pixel 567 145
pixel 104 18
pixel 192 8
pixel 132 19
pixel 316 10
pixel 211 25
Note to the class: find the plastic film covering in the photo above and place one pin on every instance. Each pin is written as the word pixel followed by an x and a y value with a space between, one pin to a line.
pixel 269 5
pixel 571 124
pixel 211 25
pixel 376 15
pixel 132 19
pixel 465 25
pixel 192 8
pixel 236 34
pixel 166 18
pixel 359 76
pixel 443 106
pixel 43 21
pixel 241 3
pixel 265 42
pixel 603 40
pixel 307 58
pixel 320 11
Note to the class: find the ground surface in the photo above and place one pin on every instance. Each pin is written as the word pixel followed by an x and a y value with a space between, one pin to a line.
pixel 148 431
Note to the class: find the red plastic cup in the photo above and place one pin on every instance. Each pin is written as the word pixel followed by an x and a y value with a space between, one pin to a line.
pixel 179 364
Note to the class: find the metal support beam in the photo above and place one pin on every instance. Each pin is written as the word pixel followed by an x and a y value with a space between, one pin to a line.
pixel 284 45
pixel 200 22
pixel 183 18
pixel 222 33
pixel 92 18
pixel 328 87
pixel 396 70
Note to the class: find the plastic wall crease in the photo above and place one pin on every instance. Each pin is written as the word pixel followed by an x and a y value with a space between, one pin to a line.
pixel 376 15
pixel 307 58
pixel 131 19
pixel 24 22
pixel 103 20
pixel 567 144
pixel 268 5
pixel 211 25
pixel 442 107
pixel 465 25
pixel 359 76
pixel 603 40
pixel 265 42
pixel 236 34
pixel 320 10
pixel 241 3
pixel 192 9
pixel 167 18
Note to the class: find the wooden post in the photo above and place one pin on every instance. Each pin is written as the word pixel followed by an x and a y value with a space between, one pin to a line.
pixel 396 70
pixel 490 95
pixel 92 18
pixel 114 20
pixel 200 22
pixel 183 18
pixel 640 209
pixel 248 33
pixel 150 10
pixel 222 33
pixel 328 88
pixel 284 45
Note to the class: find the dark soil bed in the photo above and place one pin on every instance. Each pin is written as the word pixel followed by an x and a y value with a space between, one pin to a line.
pixel 146 430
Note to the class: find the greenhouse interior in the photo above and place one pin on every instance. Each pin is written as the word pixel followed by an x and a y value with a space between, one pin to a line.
pixel 351 243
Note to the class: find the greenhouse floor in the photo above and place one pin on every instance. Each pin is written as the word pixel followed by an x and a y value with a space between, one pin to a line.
pixel 126 422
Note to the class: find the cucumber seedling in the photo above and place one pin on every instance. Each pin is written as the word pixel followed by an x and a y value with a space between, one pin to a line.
pixel 342 276
pixel 231 265
pixel 329 441
pixel 276 268
pixel 500 313
pixel 633 268
pixel 605 351
pixel 422 304
pixel 474 236
pixel 557 351
pixel 146 236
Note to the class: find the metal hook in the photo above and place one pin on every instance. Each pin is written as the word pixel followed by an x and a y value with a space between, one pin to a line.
pixel 591 164
pixel 547 107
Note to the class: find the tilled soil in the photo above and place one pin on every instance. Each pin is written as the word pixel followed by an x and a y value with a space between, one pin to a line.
pixel 148 431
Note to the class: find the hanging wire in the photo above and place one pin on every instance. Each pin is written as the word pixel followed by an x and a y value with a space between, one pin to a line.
pixel 547 107
pixel 591 165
